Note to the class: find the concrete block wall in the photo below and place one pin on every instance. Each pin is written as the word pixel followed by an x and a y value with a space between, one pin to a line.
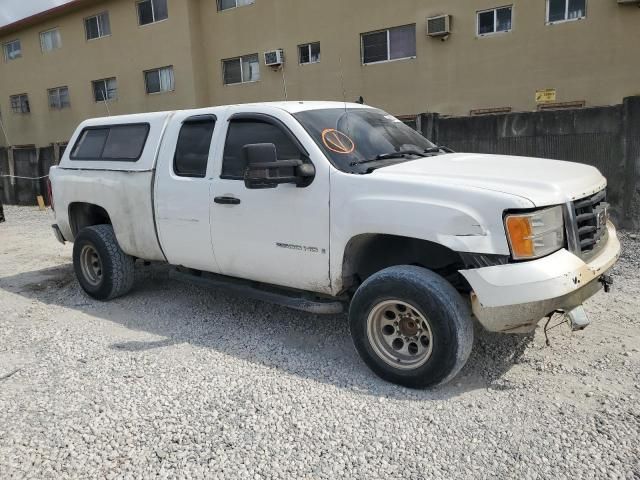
pixel 605 137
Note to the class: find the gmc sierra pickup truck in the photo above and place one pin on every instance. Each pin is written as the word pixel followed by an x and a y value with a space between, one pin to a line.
pixel 325 206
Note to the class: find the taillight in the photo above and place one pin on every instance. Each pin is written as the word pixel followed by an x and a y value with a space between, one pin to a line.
pixel 50 193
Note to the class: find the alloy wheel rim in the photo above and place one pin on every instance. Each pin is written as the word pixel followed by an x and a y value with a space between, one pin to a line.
pixel 400 334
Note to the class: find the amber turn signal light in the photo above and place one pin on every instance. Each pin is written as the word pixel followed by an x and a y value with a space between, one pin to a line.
pixel 521 236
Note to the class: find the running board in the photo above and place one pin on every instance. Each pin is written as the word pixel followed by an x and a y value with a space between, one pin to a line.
pixel 286 298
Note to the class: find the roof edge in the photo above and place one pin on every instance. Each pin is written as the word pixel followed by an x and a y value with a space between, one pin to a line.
pixel 45 15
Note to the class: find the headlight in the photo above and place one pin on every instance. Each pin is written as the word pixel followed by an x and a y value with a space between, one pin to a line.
pixel 535 234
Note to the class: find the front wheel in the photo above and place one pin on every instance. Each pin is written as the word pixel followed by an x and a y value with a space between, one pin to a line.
pixel 411 327
pixel 103 270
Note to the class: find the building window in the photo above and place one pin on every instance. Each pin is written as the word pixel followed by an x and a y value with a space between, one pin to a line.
pixel 159 80
pixel 105 89
pixel 12 50
pixel 227 4
pixel 59 98
pixel 391 44
pixel 309 53
pixel 192 149
pixel 97 26
pixel 151 11
pixel 20 103
pixel 565 10
pixel 50 40
pixel 494 20
pixel 241 70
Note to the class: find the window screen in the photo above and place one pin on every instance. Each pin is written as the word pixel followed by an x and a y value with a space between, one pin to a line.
pixel 402 42
pixel 246 132
pixel 97 26
pixel 192 150
pixel 50 40
pixel 309 53
pixel 391 44
pixel 486 22
pixel 241 70
pixel 12 50
pixel 150 11
pixel 227 4
pixel 159 80
pixel 559 10
pixel 20 103
pixel 375 47
pixel 105 89
pixel 576 9
pixel 503 19
pixel 115 142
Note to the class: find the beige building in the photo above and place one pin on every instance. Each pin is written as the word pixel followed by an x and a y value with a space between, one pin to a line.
pixel 107 57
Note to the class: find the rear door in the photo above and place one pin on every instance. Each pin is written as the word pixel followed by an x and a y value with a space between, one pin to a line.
pixel 275 235
pixel 182 190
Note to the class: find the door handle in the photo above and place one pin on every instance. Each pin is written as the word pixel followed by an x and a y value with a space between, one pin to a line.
pixel 227 200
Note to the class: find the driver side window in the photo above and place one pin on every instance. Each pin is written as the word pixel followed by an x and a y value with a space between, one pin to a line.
pixel 244 132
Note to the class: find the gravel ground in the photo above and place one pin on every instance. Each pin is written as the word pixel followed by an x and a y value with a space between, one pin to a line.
pixel 174 381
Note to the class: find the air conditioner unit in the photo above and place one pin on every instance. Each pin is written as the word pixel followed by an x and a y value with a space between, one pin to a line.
pixel 274 58
pixel 439 26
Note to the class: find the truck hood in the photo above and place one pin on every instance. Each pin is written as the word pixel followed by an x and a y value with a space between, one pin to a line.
pixel 542 181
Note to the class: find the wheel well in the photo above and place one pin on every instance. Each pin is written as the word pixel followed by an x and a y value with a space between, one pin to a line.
pixel 83 215
pixel 369 253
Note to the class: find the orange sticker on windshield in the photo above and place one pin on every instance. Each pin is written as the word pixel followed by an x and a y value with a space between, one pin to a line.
pixel 337 142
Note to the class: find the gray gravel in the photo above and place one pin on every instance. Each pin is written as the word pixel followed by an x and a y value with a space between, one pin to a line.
pixel 174 381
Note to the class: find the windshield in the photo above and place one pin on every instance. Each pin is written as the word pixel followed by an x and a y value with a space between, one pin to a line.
pixel 357 140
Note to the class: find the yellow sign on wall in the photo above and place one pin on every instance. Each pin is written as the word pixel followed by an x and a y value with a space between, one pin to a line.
pixel 548 95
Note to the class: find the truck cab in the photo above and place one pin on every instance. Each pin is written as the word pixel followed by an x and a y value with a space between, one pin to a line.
pixel 339 204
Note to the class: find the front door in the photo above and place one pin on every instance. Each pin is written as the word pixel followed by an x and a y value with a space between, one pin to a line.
pixel 275 235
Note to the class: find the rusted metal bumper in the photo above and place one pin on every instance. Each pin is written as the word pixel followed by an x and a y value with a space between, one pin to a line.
pixel 514 298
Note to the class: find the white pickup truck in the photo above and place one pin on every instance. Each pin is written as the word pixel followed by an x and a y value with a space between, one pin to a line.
pixel 322 206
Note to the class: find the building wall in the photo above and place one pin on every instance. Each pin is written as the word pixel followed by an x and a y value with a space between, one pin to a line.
pixel 589 60
pixel 126 54
pixel 583 60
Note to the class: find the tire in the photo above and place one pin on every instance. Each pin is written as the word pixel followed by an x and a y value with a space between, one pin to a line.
pixel 411 327
pixel 108 272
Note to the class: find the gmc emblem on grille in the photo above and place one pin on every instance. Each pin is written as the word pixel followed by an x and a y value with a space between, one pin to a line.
pixel 601 216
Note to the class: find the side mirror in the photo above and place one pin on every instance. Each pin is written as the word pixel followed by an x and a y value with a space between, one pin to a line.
pixel 264 170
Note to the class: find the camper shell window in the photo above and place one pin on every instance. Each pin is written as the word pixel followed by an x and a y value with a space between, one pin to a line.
pixel 122 143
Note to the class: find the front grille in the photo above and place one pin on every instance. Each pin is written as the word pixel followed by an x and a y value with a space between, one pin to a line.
pixel 590 223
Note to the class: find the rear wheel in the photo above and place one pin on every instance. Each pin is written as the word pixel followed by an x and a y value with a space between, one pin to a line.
pixel 411 327
pixel 103 270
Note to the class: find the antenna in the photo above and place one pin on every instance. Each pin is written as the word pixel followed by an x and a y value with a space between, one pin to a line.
pixel 4 131
pixel 344 96
pixel 105 100
pixel 344 92
pixel 284 83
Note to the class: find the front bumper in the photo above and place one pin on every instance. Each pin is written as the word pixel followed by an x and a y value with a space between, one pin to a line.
pixel 515 297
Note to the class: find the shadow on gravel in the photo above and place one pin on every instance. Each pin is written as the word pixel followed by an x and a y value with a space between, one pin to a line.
pixel 306 345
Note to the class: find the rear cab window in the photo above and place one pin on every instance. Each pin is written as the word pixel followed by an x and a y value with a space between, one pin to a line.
pixel 123 143
pixel 192 150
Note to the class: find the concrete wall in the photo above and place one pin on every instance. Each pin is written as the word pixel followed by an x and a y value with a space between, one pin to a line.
pixel 605 137
pixel 589 60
